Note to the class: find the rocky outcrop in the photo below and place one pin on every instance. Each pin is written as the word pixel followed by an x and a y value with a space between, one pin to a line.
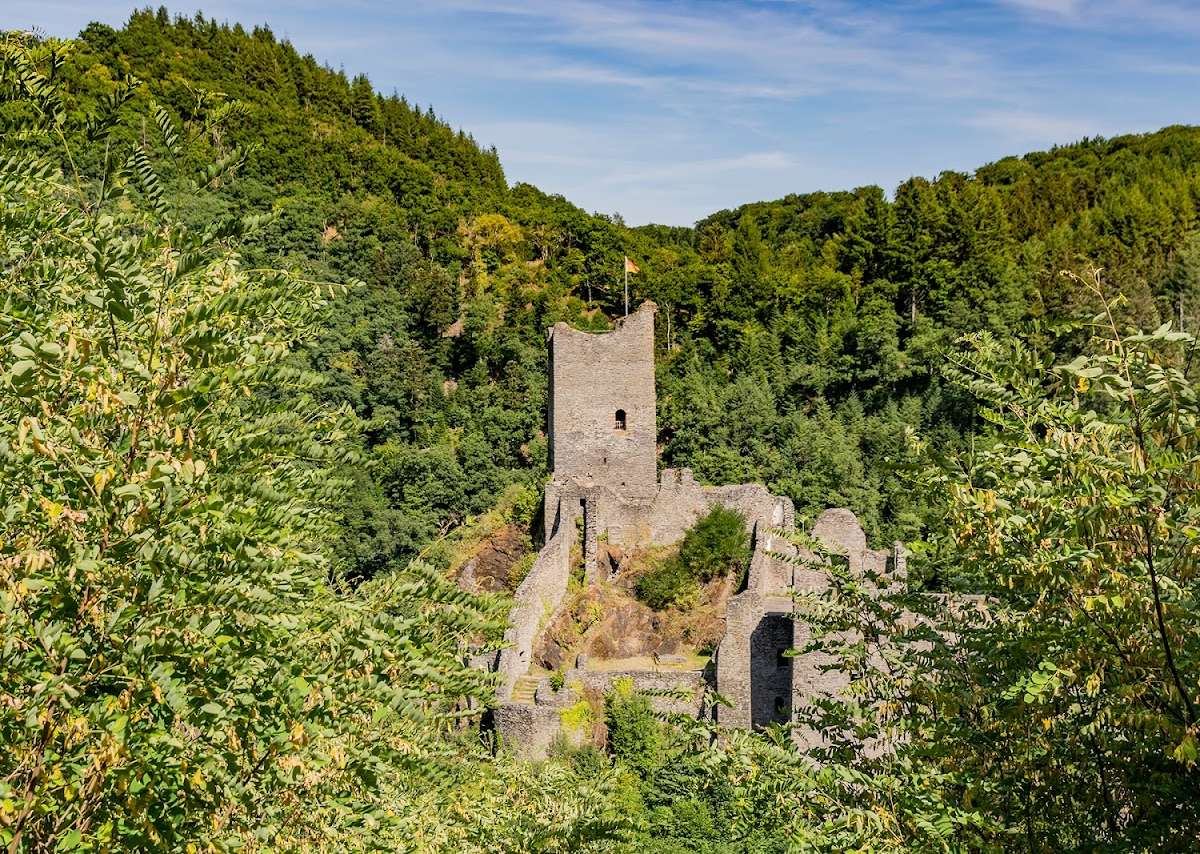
pixel 490 568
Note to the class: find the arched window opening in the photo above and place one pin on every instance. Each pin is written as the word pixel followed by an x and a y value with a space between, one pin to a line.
pixel 619 421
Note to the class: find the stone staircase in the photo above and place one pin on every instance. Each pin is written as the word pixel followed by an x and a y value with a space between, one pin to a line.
pixel 524 690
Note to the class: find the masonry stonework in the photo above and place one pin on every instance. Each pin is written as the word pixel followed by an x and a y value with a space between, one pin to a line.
pixel 603 420
pixel 605 485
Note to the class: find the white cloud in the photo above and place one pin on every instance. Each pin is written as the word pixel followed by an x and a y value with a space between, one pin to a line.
pixel 1030 127
pixel 1162 15
pixel 672 172
pixel 808 48
pixel 668 109
pixel 1067 8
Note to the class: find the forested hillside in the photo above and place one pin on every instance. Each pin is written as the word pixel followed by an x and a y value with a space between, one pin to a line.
pixel 798 337
pixel 269 335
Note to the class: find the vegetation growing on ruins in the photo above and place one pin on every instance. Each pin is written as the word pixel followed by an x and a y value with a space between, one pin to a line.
pixel 216 470
pixel 715 546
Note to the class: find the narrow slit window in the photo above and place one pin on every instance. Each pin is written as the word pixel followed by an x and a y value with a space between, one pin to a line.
pixel 619 420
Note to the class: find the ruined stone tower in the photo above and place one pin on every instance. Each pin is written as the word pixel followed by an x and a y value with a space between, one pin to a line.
pixel 605 488
pixel 602 415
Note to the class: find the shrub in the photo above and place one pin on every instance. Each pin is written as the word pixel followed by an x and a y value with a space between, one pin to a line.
pixel 666 584
pixel 557 679
pixel 589 761
pixel 176 671
pixel 520 569
pixel 716 544
pixel 577 718
pixel 635 736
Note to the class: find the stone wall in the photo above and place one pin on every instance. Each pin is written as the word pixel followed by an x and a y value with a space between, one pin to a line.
pixel 528 731
pixel 681 500
pixel 763 685
pixel 663 518
pixel 603 435
pixel 686 685
pixel 535 602
pixel 592 378
pixel 742 615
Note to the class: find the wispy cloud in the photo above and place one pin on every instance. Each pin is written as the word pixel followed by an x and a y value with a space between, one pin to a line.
pixel 1100 14
pixel 668 109
pixel 743 50
pixel 1024 126
pixel 669 173
pixel 1066 8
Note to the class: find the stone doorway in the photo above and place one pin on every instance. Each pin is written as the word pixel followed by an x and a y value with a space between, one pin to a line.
pixel 771 671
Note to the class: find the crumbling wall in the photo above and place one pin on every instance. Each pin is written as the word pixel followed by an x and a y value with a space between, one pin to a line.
pixel 742 616
pixel 527 731
pixel 751 672
pixel 686 686
pixel 756 503
pixel 535 602
pixel 681 500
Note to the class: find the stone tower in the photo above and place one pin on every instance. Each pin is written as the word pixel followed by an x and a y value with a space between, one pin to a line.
pixel 602 420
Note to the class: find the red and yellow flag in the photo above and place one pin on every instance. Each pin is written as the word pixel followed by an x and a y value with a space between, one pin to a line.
pixel 631 267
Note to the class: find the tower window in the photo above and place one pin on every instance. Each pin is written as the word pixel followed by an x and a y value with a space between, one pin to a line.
pixel 619 420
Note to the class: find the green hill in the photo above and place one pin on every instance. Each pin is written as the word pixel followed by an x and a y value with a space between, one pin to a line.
pixel 798 337
pixel 217 465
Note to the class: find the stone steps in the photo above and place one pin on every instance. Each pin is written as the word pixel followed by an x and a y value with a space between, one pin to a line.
pixel 524 690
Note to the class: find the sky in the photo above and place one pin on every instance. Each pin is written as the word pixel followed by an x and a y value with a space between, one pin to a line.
pixel 668 110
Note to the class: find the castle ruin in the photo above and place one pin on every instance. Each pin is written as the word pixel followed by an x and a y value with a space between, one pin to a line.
pixel 605 487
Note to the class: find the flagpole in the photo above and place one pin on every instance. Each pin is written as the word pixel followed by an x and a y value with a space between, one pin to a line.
pixel 627 287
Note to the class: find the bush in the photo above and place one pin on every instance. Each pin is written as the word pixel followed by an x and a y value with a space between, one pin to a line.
pixel 716 544
pixel 665 584
pixel 176 670
pixel 635 736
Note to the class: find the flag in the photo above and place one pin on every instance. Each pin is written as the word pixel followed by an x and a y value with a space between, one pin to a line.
pixel 631 267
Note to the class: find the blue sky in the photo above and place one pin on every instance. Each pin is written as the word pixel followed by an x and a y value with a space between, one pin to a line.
pixel 666 110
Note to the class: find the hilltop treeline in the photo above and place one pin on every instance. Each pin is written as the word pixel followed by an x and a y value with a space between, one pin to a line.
pixel 797 338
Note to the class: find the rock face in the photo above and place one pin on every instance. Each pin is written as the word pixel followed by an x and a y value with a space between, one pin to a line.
pixel 489 570
pixel 605 621
pixel 602 624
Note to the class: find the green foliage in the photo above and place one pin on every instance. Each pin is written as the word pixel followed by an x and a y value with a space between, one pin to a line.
pixel 1054 704
pixel 818 319
pixel 716 545
pixel 185 484
pixel 666 584
pixel 1078 520
pixel 634 734
pixel 176 669
pixel 577 718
